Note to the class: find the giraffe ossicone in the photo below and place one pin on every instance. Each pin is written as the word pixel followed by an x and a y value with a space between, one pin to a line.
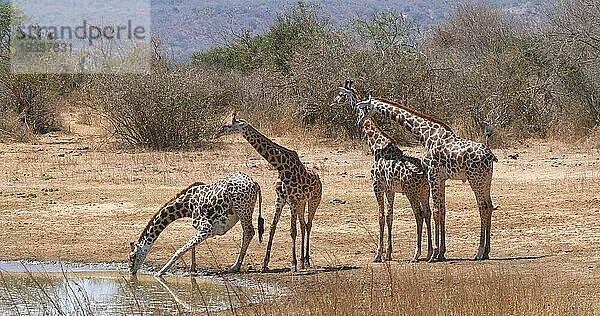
pixel 297 186
pixel 214 208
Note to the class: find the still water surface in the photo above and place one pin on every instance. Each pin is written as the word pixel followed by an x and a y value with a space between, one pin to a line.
pixel 68 289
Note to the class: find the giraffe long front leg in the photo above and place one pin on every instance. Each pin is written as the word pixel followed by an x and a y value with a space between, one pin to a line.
pixel 293 233
pixel 416 208
pixel 300 213
pixel 389 218
pixel 488 218
pixel 427 217
pixel 193 259
pixel 247 234
pixel 312 210
pixel 438 193
pixel 482 234
pixel 199 237
pixel 488 232
pixel 484 203
pixel 279 203
pixel 381 207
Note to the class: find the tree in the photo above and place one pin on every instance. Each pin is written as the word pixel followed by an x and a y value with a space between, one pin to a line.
pixel 389 30
pixel 574 42
pixel 298 28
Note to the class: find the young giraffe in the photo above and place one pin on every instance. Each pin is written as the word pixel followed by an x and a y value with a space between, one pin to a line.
pixel 214 209
pixel 393 172
pixel 447 156
pixel 297 186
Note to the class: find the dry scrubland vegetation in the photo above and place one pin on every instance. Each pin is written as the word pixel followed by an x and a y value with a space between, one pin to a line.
pixel 211 22
pixel 479 66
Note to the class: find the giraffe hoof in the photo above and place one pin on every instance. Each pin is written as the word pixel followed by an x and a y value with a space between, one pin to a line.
pixel 233 269
pixel 482 257
pixel 433 256
pixel 437 258
pixel 377 258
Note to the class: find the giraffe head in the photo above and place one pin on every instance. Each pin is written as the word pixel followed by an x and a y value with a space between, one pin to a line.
pixel 136 256
pixel 347 94
pixel 231 125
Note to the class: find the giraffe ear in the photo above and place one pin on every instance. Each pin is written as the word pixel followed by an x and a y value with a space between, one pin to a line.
pixel 347 84
pixel 132 244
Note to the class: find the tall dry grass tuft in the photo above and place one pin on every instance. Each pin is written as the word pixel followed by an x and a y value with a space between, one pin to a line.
pixel 414 290
pixel 28 104
pixel 11 128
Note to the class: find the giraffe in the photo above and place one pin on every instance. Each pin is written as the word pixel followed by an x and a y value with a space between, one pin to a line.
pixel 393 172
pixel 446 156
pixel 297 186
pixel 214 208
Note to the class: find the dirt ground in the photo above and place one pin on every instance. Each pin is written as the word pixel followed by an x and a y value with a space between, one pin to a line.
pixel 74 197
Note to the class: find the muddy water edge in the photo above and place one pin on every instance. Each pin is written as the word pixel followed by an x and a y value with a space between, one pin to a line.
pixel 107 289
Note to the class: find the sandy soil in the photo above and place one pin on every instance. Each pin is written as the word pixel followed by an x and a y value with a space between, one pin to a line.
pixel 71 197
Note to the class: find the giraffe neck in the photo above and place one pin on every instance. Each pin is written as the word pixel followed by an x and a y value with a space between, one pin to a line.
pixel 376 138
pixel 169 213
pixel 278 156
pixel 422 126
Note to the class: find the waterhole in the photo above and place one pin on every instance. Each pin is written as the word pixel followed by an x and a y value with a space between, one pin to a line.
pixel 98 289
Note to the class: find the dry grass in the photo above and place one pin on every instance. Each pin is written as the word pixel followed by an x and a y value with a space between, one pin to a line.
pixel 438 290
pixel 74 197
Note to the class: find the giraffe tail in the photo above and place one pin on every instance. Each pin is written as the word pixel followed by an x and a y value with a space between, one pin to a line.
pixel 261 220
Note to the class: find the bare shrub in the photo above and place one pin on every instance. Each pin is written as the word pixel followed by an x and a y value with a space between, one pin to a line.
pixel 397 72
pixel 474 30
pixel 572 48
pixel 494 75
pixel 33 101
pixel 167 109
pixel 11 128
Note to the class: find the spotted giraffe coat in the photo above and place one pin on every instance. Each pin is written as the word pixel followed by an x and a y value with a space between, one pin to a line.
pixel 214 208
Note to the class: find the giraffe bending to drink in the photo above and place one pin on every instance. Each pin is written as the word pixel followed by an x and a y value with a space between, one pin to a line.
pixel 447 156
pixel 393 172
pixel 297 186
pixel 214 209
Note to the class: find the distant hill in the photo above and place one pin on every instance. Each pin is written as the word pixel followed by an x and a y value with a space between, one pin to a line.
pixel 187 26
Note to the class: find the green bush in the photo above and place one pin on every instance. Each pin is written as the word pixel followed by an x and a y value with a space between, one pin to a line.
pixel 293 31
